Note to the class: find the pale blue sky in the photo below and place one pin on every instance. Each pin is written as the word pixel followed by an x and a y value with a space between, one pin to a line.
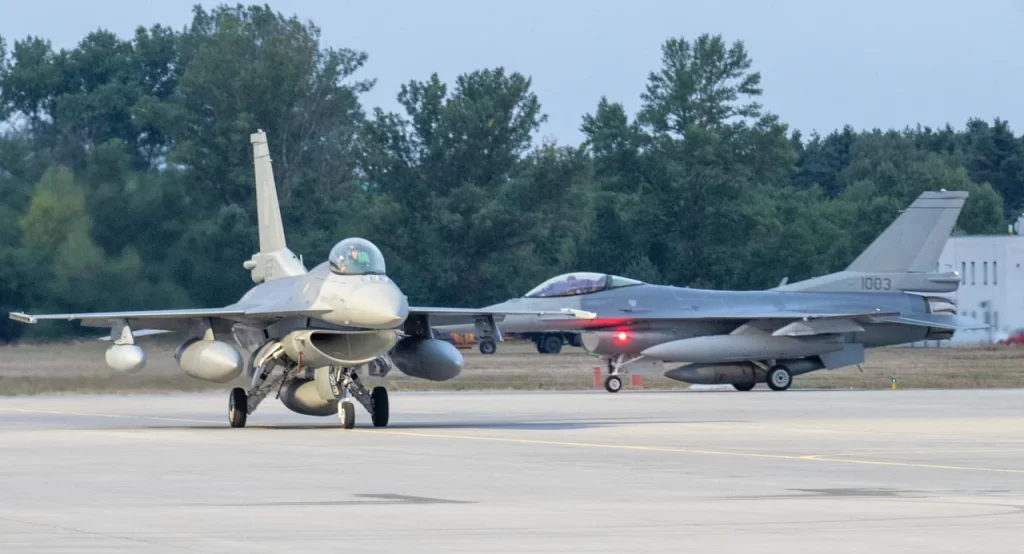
pixel 824 63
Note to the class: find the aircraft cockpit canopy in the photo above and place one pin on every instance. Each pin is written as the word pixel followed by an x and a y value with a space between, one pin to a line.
pixel 356 256
pixel 574 284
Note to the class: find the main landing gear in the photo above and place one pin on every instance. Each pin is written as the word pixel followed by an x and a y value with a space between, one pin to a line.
pixel 237 407
pixel 488 346
pixel 264 359
pixel 779 378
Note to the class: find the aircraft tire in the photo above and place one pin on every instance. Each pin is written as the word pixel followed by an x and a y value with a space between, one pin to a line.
pixel 381 410
pixel 347 414
pixel 552 344
pixel 743 387
pixel 238 402
pixel 488 346
pixel 612 383
pixel 779 378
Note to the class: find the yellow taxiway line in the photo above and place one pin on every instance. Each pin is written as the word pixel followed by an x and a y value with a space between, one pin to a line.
pixel 642 448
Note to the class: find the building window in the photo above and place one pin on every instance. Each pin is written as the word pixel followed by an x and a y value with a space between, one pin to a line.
pixel 963 273
pixel 972 273
pixel 995 321
pixel 984 273
pixel 995 273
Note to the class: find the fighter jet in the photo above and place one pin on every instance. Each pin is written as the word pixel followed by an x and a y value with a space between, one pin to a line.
pixel 309 334
pixel 891 294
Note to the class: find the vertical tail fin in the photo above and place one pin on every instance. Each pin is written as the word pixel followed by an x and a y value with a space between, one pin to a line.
pixel 914 242
pixel 905 256
pixel 274 260
pixel 268 210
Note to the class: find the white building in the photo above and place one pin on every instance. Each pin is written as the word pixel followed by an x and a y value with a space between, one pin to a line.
pixel 991 288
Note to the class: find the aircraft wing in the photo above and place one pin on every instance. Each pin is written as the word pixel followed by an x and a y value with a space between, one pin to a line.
pixel 792 323
pixel 168 320
pixel 627 317
pixel 456 316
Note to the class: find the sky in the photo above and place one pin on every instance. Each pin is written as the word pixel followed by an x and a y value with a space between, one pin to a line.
pixel 823 63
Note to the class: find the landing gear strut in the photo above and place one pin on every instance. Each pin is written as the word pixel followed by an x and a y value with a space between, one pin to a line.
pixel 241 402
pixel 613 382
pixel 347 386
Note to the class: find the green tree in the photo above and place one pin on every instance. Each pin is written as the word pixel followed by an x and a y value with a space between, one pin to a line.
pixel 483 212
pixel 704 83
pixel 674 184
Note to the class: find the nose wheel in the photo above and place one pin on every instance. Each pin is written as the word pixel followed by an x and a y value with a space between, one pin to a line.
pixel 347 414
pixel 613 383
pixel 375 401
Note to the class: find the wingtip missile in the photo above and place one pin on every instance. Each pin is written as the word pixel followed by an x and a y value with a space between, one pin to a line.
pixel 24 318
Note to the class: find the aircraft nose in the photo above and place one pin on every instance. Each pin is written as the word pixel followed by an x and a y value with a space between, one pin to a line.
pixel 378 305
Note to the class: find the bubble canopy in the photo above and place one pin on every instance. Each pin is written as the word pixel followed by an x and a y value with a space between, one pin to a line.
pixel 356 256
pixel 573 284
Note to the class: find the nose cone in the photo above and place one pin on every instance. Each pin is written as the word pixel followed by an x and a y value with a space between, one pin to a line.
pixel 377 305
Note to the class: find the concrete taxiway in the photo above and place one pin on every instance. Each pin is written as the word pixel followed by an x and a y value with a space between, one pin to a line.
pixel 819 471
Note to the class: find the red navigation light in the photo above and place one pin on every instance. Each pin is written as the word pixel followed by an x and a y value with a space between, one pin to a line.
pixel 622 336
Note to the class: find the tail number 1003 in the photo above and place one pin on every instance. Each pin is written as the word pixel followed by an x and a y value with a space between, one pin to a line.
pixel 875 283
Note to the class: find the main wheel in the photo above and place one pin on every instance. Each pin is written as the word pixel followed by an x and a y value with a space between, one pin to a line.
pixel 347 414
pixel 379 401
pixel 779 378
pixel 612 383
pixel 552 344
pixel 487 346
pixel 238 407
pixel 744 387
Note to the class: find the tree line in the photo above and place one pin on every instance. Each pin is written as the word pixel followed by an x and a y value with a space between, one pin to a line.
pixel 126 172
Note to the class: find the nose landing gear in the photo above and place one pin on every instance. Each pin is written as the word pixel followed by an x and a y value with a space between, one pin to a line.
pixel 346 382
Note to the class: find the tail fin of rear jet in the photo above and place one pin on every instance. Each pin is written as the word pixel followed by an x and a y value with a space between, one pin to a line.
pixel 274 260
pixel 914 242
pixel 905 256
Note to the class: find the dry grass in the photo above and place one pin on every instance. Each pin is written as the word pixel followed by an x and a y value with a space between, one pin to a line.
pixel 79 367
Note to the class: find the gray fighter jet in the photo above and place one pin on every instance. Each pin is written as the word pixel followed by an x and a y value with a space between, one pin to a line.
pixel 309 335
pixel 889 295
